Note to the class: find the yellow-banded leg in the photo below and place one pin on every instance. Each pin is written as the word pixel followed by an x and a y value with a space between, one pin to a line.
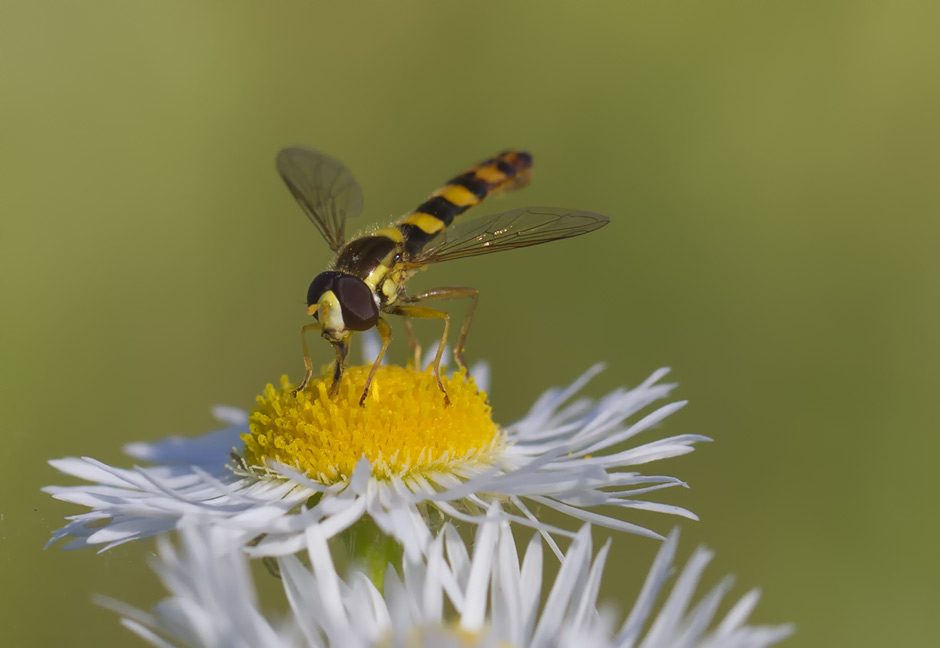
pixel 423 312
pixel 342 350
pixel 308 364
pixel 409 308
pixel 451 293
pixel 386 332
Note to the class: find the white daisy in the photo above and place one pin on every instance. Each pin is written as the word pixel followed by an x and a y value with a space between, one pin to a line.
pixel 212 600
pixel 495 600
pixel 404 459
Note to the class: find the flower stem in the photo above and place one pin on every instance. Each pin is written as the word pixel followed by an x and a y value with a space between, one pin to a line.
pixel 371 551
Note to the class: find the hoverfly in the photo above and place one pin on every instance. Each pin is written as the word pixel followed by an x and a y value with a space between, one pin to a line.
pixel 368 275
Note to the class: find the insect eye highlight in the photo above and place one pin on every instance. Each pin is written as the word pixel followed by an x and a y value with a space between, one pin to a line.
pixel 360 311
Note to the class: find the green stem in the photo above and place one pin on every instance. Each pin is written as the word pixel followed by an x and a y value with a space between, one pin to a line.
pixel 371 551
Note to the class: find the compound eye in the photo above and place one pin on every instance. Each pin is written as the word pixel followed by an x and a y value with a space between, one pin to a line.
pixel 323 282
pixel 360 311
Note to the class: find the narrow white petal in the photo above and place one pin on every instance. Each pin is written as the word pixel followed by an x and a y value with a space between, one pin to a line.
pixel 432 590
pixel 146 634
pixel 587 605
pixel 698 619
pixel 329 585
pixel 530 585
pixel 676 603
pixel 457 554
pixel 645 423
pixel 481 375
pixel 571 572
pixel 659 572
pixel 507 613
pixel 474 610
pixel 597 518
pixel 738 615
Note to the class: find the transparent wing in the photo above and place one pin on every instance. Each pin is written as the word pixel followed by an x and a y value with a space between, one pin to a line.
pixel 325 189
pixel 507 231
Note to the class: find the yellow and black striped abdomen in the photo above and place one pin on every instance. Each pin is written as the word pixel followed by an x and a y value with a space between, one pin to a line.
pixel 508 170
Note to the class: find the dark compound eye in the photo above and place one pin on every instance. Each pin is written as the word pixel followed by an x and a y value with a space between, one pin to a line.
pixel 323 282
pixel 360 311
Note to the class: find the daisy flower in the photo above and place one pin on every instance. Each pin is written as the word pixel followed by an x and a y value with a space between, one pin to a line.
pixel 212 603
pixel 404 459
pixel 494 598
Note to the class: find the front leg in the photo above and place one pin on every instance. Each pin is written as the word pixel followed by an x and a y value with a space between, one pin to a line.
pixel 308 364
pixel 342 351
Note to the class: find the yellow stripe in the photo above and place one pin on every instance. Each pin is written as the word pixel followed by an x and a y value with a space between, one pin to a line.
pixel 490 174
pixel 390 232
pixel 460 196
pixel 375 277
pixel 425 222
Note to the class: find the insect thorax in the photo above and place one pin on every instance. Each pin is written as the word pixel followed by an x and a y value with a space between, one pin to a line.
pixel 373 259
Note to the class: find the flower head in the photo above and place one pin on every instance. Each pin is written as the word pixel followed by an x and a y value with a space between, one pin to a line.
pixel 495 598
pixel 402 428
pixel 404 458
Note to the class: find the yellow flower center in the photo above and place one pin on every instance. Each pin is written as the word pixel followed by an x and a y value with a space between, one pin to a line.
pixel 402 427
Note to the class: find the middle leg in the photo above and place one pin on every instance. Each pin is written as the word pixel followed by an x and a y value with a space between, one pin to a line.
pixel 308 363
pixel 386 332
pixel 451 293
pixel 413 343
pixel 423 312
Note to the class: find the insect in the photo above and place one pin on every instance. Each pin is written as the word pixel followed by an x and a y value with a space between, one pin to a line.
pixel 368 275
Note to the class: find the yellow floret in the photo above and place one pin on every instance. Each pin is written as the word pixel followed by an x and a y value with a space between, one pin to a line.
pixel 403 427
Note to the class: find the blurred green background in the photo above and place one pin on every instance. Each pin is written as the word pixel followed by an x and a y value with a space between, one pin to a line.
pixel 770 170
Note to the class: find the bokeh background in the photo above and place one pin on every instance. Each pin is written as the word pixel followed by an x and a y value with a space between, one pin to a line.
pixel 770 170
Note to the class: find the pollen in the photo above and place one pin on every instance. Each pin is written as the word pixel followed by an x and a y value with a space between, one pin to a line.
pixel 403 427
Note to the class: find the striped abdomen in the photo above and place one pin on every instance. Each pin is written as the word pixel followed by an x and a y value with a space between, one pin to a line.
pixel 507 170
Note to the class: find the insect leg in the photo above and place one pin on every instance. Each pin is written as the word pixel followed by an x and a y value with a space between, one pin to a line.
pixel 342 351
pixel 413 343
pixel 386 332
pixel 423 312
pixel 308 364
pixel 452 293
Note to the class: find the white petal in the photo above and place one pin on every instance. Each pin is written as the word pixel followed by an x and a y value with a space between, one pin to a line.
pixel 474 609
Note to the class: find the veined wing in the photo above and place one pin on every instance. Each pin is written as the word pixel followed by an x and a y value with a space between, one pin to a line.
pixel 324 188
pixel 507 231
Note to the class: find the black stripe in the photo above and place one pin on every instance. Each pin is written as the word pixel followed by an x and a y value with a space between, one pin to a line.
pixel 506 168
pixel 471 183
pixel 441 208
pixel 415 238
